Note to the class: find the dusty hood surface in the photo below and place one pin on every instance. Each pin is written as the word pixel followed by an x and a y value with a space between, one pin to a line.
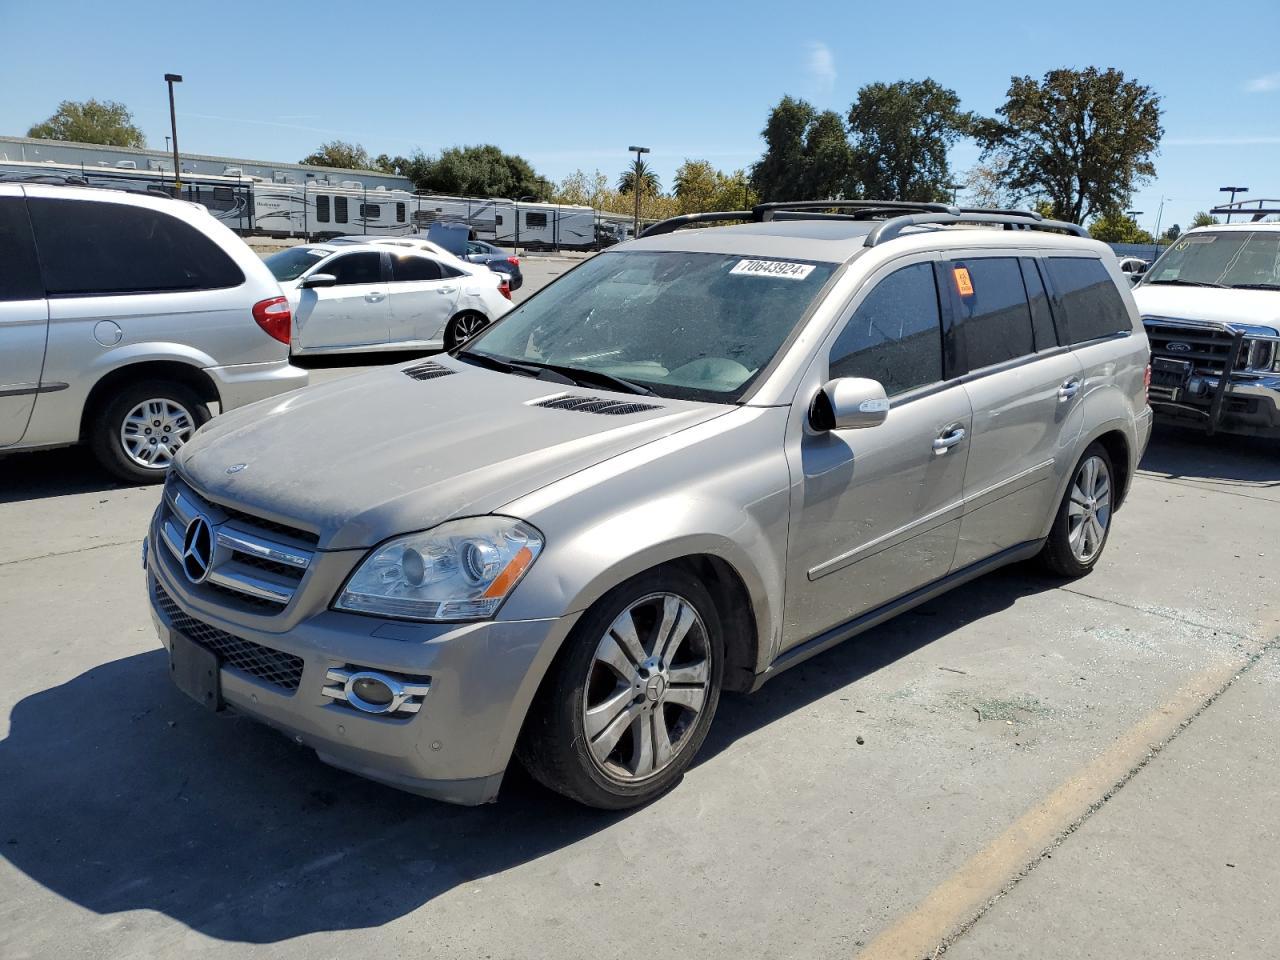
pixel 1256 307
pixel 380 454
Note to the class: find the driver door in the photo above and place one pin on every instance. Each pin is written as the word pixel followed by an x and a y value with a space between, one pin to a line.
pixel 875 512
pixel 355 312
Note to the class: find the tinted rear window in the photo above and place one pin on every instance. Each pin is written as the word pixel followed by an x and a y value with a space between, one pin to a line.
pixel 1089 298
pixel 992 311
pixel 19 271
pixel 92 248
pixel 408 267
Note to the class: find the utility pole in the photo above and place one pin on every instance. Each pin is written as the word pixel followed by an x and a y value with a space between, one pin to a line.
pixel 171 79
pixel 635 186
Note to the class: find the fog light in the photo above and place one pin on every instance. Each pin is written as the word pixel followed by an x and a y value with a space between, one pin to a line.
pixel 370 691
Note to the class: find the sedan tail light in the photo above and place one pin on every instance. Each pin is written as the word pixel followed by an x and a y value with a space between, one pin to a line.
pixel 275 317
pixel 514 261
pixel 504 288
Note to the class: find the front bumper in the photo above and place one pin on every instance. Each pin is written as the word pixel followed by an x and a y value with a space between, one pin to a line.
pixel 1248 406
pixel 244 383
pixel 482 678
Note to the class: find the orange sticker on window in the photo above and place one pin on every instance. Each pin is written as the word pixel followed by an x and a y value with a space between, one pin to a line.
pixel 963 283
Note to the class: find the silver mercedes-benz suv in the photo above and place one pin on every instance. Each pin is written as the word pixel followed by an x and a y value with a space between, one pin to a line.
pixel 691 462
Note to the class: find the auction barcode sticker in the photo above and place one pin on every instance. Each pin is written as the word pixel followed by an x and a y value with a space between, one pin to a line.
pixel 772 268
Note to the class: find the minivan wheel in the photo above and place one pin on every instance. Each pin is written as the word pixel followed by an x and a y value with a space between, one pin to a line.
pixel 631 695
pixel 463 327
pixel 142 428
pixel 1084 518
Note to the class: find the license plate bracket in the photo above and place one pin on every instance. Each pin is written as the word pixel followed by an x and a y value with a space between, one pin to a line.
pixel 1166 372
pixel 195 670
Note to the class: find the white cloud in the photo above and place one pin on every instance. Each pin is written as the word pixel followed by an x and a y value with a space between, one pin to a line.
pixel 1267 83
pixel 821 65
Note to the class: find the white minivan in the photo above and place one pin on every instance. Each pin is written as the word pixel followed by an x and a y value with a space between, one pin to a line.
pixel 125 321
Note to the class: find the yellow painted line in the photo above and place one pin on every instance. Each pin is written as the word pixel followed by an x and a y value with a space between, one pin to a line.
pixel 957 902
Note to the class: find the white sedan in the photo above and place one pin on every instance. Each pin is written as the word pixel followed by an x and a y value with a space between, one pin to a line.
pixel 349 298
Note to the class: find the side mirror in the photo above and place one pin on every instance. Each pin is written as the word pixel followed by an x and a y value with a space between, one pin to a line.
pixel 849 403
pixel 320 280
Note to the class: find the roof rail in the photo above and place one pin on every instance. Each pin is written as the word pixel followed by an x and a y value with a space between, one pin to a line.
pixel 890 229
pixel 1255 212
pixel 675 223
pixel 868 209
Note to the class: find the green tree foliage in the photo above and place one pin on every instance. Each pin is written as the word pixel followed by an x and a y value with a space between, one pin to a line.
pixel 700 188
pixel 1115 226
pixel 639 173
pixel 1172 234
pixel 901 134
pixel 1203 219
pixel 477 171
pixel 807 155
pixel 1082 138
pixel 829 170
pixel 91 121
pixel 985 185
pixel 339 153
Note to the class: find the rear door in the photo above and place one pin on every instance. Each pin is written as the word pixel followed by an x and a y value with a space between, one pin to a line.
pixel 355 312
pixel 1026 393
pixel 423 297
pixel 24 317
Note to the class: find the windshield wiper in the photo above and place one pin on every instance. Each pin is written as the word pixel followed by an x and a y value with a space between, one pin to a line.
pixel 584 377
pixel 523 368
pixel 1255 286
pixel 1179 281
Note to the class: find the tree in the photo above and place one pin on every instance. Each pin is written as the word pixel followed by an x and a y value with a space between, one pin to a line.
pixel 1083 138
pixel 1173 233
pixel 829 171
pixel 1203 219
pixel 778 175
pixel 986 184
pixel 339 153
pixel 478 171
pixel 1115 226
pixel 901 134
pixel 700 188
pixel 639 173
pixel 91 121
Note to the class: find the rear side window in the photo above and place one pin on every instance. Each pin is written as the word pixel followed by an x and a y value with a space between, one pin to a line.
pixel 895 335
pixel 1042 327
pixel 340 209
pixel 991 310
pixel 399 213
pixel 19 269
pixel 95 248
pixel 406 268
pixel 356 268
pixel 1089 298
pixel 322 208
pixel 370 211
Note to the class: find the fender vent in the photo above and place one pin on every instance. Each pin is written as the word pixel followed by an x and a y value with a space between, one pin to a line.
pixel 610 408
pixel 428 370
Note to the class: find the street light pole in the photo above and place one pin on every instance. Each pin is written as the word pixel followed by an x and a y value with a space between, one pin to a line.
pixel 1233 191
pixel 171 79
pixel 1160 216
pixel 635 186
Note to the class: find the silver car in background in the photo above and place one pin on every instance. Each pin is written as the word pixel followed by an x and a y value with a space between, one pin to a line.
pixel 126 321
pixel 693 461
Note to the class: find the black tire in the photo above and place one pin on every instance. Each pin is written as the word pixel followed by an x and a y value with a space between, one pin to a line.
pixel 554 745
pixel 453 332
pixel 1058 555
pixel 106 424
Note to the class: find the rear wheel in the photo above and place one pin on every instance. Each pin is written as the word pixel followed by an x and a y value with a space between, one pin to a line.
pixel 1083 523
pixel 142 428
pixel 631 696
pixel 463 327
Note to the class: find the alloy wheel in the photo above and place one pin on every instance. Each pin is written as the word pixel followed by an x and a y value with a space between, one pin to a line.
pixel 1089 509
pixel 152 432
pixel 647 686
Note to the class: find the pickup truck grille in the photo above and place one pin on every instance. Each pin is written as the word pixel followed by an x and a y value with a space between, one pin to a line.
pixel 254 563
pixel 1207 348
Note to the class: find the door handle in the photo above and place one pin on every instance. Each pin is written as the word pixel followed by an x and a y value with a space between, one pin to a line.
pixel 1069 390
pixel 948 439
pixel 373 296
pixel 448 289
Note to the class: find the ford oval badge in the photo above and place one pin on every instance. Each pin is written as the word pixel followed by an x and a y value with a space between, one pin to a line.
pixel 1178 347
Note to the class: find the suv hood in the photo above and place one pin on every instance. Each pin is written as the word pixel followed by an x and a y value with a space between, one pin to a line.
pixel 1247 307
pixel 381 454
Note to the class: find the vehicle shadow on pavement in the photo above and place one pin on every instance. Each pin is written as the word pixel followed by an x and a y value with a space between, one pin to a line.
pixel 53 473
pixel 1181 454
pixel 118 794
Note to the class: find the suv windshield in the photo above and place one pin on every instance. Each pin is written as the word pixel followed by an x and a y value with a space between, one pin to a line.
pixel 693 325
pixel 292 263
pixel 1227 258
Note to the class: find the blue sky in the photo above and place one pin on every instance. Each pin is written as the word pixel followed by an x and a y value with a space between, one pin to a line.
pixel 571 85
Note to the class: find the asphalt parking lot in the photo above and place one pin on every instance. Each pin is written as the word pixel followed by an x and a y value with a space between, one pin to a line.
pixel 1021 768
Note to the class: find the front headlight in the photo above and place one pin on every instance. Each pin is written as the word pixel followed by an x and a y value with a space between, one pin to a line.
pixel 461 570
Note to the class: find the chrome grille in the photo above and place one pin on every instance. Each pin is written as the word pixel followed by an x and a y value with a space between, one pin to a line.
pixel 256 562
pixel 276 667
pixel 1206 347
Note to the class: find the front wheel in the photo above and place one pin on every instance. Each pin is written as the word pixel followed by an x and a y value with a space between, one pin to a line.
pixel 631 696
pixel 1083 522
pixel 463 327
pixel 142 428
